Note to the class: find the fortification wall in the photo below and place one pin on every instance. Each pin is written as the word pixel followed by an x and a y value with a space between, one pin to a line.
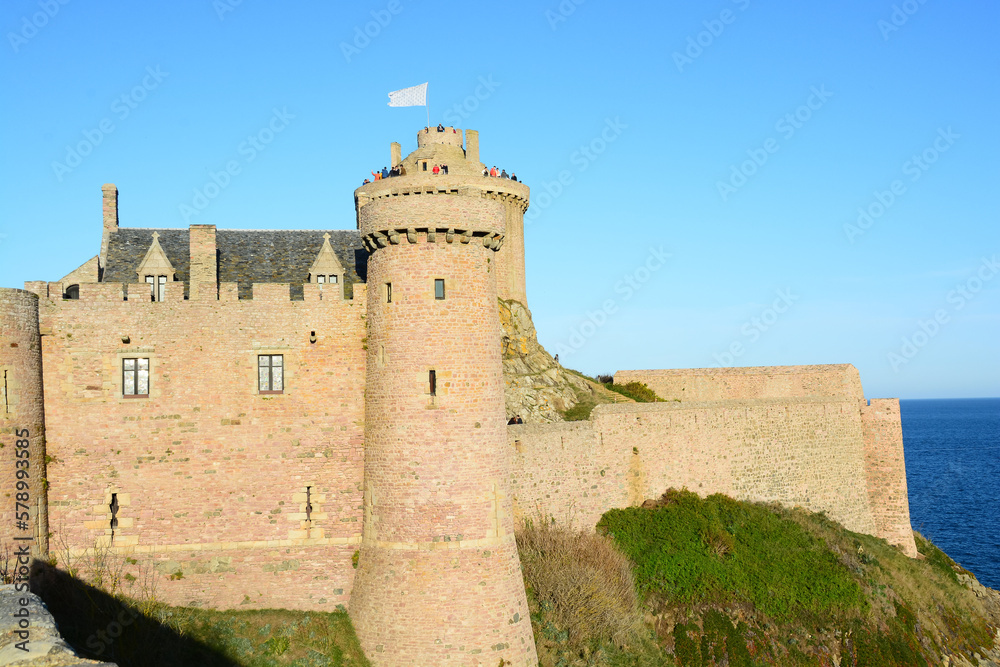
pixel 23 504
pixel 212 478
pixel 720 384
pixel 886 472
pixel 799 452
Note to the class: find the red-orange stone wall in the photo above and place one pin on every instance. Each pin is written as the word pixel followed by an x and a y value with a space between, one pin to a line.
pixel 210 476
pixel 22 425
pixel 439 580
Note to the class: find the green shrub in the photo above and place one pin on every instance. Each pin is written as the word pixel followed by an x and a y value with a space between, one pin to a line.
pixel 637 391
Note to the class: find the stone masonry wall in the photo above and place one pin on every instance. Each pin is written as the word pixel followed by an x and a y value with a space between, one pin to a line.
pixel 886 472
pixel 719 384
pixel 799 452
pixel 211 477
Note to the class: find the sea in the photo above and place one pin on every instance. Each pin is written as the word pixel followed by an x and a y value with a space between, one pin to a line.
pixel 952 449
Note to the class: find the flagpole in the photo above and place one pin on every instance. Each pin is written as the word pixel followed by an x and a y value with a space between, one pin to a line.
pixel 427 108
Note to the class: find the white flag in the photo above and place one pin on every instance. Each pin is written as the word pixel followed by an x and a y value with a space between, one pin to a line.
pixel 415 96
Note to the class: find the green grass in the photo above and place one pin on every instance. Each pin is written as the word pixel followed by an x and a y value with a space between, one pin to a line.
pixel 696 551
pixel 271 637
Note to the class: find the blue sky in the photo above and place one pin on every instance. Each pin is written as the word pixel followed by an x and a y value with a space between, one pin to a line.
pixel 740 138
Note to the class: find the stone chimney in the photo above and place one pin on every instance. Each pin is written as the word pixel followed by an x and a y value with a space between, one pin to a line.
pixel 472 146
pixel 109 194
pixel 204 268
pixel 397 153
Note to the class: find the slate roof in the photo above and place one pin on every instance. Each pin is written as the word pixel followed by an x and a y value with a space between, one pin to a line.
pixel 244 256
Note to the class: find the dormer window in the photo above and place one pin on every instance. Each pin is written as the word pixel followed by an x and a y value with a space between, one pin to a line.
pixel 156 270
pixel 326 269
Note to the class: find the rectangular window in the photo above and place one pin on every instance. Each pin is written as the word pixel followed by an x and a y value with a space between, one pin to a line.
pixel 432 382
pixel 135 378
pixel 334 279
pixel 425 166
pixel 270 373
pixel 152 286
pixel 321 279
pixel 439 288
pixel 162 291
pixel 388 292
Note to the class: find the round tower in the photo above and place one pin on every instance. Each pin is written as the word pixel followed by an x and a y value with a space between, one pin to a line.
pixel 23 505
pixel 439 580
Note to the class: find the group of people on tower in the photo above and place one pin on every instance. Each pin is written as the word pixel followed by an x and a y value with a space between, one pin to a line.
pixel 502 173
pixel 385 173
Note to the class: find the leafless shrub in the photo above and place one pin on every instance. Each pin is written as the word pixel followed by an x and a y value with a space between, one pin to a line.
pixel 583 580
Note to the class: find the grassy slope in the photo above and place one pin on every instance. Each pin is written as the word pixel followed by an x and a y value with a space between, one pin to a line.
pixel 723 582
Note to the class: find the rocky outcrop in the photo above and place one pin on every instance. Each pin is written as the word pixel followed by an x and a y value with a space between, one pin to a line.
pixel 538 388
pixel 24 613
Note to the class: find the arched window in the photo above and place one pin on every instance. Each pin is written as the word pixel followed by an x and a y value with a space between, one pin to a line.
pixel 72 292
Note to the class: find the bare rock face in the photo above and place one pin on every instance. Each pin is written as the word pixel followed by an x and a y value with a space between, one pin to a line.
pixel 538 388
pixel 24 614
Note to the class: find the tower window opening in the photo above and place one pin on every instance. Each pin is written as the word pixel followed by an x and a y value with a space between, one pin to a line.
pixel 432 382
pixel 321 279
pixel 72 292
pixel 425 166
pixel 439 289
pixel 388 292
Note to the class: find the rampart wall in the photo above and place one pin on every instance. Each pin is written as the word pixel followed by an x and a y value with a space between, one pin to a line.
pixel 799 452
pixel 212 478
pixel 721 384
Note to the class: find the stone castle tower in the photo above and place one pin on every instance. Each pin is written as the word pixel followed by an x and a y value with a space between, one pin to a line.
pixel 24 508
pixel 439 580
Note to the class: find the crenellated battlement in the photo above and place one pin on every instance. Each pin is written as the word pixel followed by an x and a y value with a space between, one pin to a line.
pixel 450 136
pixel 138 294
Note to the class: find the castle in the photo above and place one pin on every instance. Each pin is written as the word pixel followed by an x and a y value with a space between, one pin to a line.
pixel 310 419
